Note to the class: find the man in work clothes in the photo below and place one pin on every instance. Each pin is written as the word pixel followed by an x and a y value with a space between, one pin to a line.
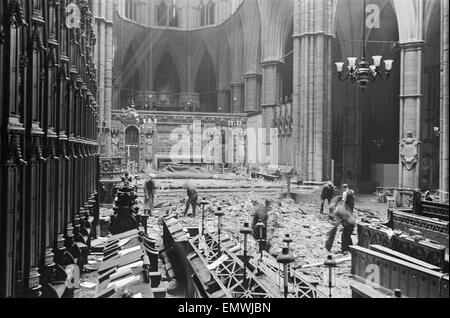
pixel 192 199
pixel 343 215
pixel 326 194
pixel 150 192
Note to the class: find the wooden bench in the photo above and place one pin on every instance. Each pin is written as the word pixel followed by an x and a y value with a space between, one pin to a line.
pixel 423 250
pixel 412 260
pixel 433 210
pixel 433 229
pixel 393 273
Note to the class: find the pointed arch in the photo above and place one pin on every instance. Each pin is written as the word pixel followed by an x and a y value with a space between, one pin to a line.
pixel 276 19
pixel 132 76
pixel 166 78
pixel 205 84
pixel 176 50
pixel 162 12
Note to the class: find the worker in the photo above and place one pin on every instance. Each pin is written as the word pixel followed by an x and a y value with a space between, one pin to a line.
pixel 192 199
pixel 262 214
pixel 343 216
pixel 149 192
pixel 326 194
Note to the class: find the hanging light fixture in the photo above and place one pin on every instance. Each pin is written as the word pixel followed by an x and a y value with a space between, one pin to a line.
pixel 363 72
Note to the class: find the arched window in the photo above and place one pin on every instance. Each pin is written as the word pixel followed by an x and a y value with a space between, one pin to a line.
pixel 207 13
pixel 202 14
pixel 168 15
pixel 132 8
pixel 210 8
pixel 173 16
pixel 161 12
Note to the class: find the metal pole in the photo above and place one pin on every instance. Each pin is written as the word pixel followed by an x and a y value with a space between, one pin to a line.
pixel 330 282
pixel 245 257
pixel 286 280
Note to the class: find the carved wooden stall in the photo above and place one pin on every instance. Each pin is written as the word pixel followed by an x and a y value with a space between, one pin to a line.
pixel 49 167
pixel 130 267
pixel 409 252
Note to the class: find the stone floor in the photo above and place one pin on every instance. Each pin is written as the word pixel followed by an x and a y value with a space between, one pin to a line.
pixel 301 220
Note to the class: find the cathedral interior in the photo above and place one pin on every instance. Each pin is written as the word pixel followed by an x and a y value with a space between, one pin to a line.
pixel 111 109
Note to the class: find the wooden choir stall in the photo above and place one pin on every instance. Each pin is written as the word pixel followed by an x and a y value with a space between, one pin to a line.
pixel 49 152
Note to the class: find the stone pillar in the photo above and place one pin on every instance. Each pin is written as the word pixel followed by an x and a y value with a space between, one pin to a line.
pixel 252 84
pixel 100 18
pixel 444 115
pixel 271 82
pixel 237 96
pixel 410 113
pixel 223 101
pixel 108 70
pixel 312 89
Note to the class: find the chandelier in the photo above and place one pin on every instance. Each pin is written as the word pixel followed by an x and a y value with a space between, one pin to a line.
pixel 363 72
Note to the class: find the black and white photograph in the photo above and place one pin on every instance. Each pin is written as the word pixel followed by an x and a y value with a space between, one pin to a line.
pixel 217 154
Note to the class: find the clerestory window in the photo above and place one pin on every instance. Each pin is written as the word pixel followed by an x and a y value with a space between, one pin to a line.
pixel 168 15
pixel 207 13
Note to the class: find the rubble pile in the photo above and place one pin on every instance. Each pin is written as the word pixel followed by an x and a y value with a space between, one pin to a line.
pixel 302 222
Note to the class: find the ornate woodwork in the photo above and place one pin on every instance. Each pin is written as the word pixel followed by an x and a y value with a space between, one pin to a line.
pixel 48 140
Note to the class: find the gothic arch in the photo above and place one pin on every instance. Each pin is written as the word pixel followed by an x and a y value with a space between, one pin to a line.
pixel 348 25
pixel 166 77
pixel 365 125
pixel 132 76
pixel 432 19
pixel 206 84
pixel 276 18
pixel 165 46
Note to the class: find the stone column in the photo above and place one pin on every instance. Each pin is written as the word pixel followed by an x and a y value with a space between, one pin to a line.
pixel 410 113
pixel 100 18
pixel 108 70
pixel 223 101
pixel 312 89
pixel 237 93
pixel 252 84
pixel 443 185
pixel 271 82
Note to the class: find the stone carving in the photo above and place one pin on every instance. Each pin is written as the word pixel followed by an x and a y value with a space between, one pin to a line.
pixel 115 144
pixel 409 151
pixel 148 147
pixel 130 114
